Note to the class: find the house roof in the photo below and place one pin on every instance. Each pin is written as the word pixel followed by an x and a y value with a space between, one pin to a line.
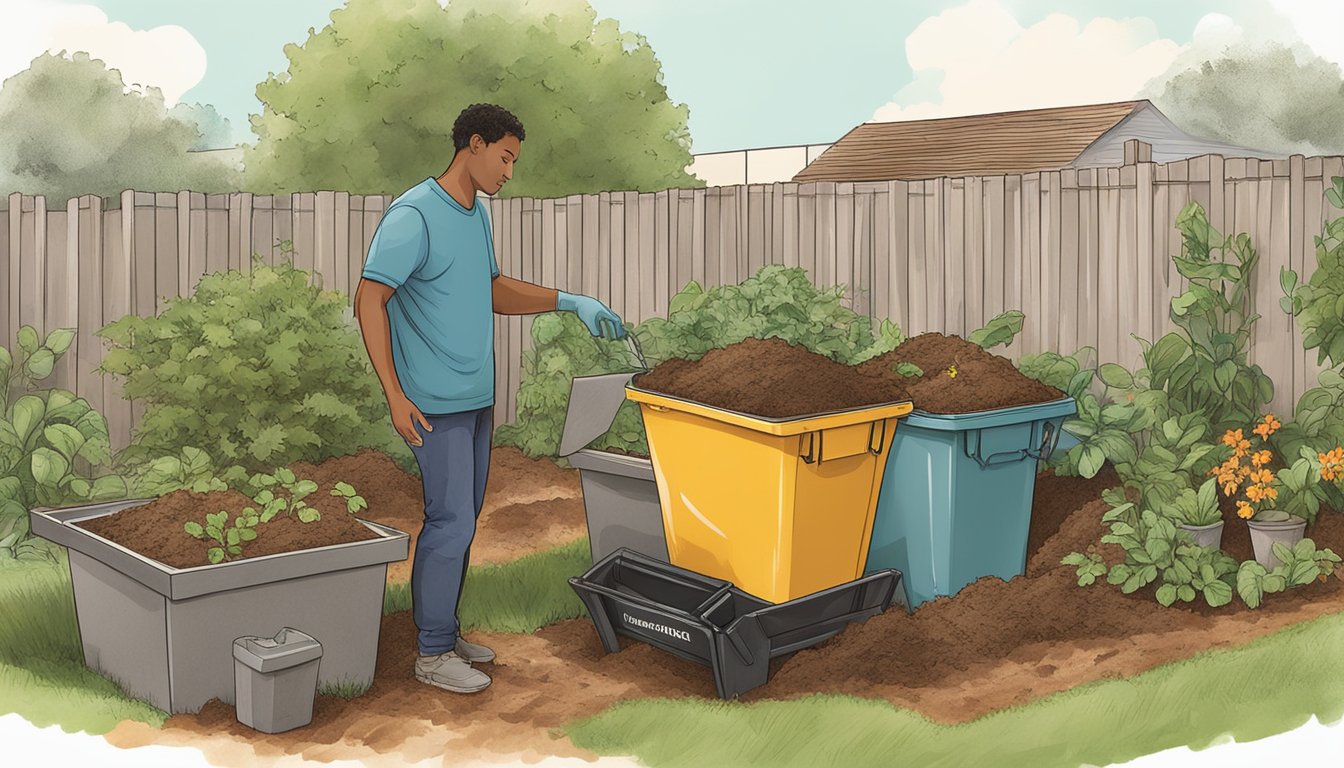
pixel 975 145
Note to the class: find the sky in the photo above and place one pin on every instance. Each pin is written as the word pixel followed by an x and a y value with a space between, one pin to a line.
pixel 755 73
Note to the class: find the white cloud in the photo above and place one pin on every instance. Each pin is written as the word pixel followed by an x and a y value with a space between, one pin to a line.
pixel 976 57
pixel 988 62
pixel 1318 23
pixel 166 57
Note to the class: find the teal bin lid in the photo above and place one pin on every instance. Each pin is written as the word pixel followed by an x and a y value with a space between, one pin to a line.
pixel 999 417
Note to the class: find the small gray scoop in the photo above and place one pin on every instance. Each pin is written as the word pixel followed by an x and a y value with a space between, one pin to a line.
pixel 593 403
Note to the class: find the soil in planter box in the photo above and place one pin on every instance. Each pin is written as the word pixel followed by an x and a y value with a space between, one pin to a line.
pixel 771 378
pixel 983 381
pixel 155 529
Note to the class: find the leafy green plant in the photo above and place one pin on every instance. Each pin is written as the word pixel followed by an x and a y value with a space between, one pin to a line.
pixel 1298 566
pixel 776 302
pixel 190 468
pixel 907 369
pixel 1205 367
pixel 999 331
pixel 1157 551
pixel 228 539
pixel 297 489
pixel 257 369
pixel 1318 306
pixel 1198 507
pixel 353 501
pixel 47 436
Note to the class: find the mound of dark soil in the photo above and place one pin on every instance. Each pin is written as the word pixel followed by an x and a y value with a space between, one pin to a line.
pixel 771 378
pixel 982 381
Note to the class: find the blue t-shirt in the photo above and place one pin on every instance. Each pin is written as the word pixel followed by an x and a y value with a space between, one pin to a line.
pixel 440 258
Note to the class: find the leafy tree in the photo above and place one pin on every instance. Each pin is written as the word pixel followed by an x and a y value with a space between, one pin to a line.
pixel 368 103
pixel 69 127
pixel 215 130
pixel 1268 98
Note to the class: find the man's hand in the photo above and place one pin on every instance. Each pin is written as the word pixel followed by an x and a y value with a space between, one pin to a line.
pixel 592 312
pixel 404 417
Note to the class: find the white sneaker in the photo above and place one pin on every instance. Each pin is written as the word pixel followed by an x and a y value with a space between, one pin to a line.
pixel 451 673
pixel 473 653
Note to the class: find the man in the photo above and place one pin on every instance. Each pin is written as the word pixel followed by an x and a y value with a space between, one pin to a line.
pixel 424 305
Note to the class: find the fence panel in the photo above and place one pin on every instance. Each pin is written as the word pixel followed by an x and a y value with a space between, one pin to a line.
pixel 1075 249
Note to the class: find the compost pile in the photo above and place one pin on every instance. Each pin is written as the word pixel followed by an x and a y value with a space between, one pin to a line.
pixel 771 378
pixel 155 530
pixel 958 376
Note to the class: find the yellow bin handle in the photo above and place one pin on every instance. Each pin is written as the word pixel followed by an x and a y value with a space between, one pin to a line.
pixel 876 429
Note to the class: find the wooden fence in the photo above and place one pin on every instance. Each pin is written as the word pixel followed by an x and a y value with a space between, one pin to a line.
pixel 1085 253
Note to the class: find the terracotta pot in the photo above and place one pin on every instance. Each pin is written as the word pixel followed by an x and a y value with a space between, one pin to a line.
pixel 1206 535
pixel 1263 536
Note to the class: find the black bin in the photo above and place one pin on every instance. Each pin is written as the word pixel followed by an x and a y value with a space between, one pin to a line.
pixel 711 622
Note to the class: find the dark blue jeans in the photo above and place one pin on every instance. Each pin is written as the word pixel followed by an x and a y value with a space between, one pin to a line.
pixel 454 461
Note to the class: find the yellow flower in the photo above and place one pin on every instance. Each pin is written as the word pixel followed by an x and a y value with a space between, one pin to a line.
pixel 1261 458
pixel 1244 510
pixel 952 371
pixel 1263 476
pixel 1231 438
pixel 1271 493
pixel 1255 493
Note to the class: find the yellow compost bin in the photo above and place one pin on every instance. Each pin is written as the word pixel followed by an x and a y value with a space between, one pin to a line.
pixel 780 507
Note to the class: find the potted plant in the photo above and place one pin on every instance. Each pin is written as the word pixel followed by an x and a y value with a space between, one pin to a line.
pixel 164 585
pixel 1277 506
pixel 1199 515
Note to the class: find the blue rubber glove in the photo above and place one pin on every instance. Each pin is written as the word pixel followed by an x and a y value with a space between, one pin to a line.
pixel 592 312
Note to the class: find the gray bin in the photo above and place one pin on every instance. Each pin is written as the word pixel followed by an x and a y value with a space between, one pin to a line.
pixel 275 680
pixel 620 501
pixel 620 495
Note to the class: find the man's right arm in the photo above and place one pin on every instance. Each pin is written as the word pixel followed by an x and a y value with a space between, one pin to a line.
pixel 371 299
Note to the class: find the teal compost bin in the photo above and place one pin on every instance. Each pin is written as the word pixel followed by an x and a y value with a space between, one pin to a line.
pixel 955 503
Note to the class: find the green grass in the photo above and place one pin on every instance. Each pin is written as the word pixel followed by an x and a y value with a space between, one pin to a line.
pixel 521 596
pixel 345 689
pixel 42 672
pixel 1270 686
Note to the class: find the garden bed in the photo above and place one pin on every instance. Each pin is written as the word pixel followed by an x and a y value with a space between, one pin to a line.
pixel 995 645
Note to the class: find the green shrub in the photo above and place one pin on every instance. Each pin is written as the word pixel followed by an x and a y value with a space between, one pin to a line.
pixel 46 434
pixel 1156 550
pixel 775 302
pixel 1317 423
pixel 1196 382
pixel 257 369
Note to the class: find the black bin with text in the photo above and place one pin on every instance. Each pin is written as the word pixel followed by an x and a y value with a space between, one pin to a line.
pixel 712 622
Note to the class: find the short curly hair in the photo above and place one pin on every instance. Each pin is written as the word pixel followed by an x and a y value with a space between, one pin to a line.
pixel 491 121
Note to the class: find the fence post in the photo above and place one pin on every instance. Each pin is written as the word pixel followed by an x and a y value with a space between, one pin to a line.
pixel 1138 152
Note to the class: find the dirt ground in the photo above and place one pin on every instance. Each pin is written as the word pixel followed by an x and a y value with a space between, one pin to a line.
pixel 994 645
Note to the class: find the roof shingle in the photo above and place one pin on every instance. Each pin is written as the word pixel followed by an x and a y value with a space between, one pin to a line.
pixel 975 145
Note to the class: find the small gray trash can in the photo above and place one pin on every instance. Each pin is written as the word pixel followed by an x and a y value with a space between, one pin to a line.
pixel 275 679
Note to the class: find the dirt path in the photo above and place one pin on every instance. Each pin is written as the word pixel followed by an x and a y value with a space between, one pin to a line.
pixel 996 644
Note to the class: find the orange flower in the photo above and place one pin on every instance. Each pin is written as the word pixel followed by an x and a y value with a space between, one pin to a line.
pixel 1329 474
pixel 1244 510
pixel 1271 493
pixel 1262 476
pixel 1267 427
pixel 1261 458
pixel 1231 438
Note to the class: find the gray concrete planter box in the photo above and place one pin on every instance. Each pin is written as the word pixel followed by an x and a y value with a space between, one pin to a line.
pixel 166 634
pixel 620 500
